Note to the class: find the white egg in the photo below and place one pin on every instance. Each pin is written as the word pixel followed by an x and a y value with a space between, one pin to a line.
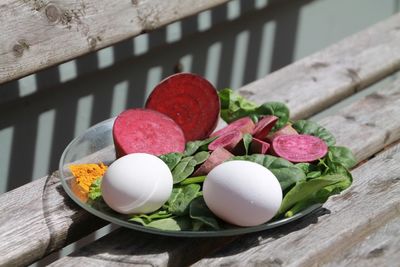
pixel 243 193
pixel 137 183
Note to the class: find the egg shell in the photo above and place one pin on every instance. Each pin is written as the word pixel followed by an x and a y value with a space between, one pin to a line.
pixel 243 193
pixel 137 183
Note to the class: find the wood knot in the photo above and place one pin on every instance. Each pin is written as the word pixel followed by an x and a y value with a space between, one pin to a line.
pixel 53 13
pixel 92 42
pixel 135 2
pixel 19 47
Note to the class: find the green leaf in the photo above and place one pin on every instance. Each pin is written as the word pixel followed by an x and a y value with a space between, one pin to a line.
pixel 343 155
pixel 195 146
pixel 95 189
pixel 183 169
pixel 181 197
pixel 200 212
pixel 307 190
pixel 234 106
pixel 147 218
pixel 171 159
pixel 286 172
pixel 313 128
pixel 247 138
pixel 201 156
pixel 277 109
pixel 172 224
pixel 193 180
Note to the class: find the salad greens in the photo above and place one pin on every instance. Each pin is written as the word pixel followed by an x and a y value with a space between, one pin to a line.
pixel 303 184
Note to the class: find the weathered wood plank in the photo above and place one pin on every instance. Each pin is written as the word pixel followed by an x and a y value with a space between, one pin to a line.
pixel 123 246
pixel 333 73
pixel 371 203
pixel 38 34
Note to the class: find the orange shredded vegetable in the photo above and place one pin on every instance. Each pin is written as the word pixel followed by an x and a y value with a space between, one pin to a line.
pixel 85 174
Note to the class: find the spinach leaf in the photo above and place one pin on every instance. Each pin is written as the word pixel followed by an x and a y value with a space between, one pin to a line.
pixel 313 128
pixel 247 138
pixel 306 190
pixel 286 172
pixel 342 155
pixel 147 218
pixel 198 145
pixel 171 159
pixel 277 109
pixel 172 224
pixel 180 199
pixel 183 169
pixel 201 156
pixel 200 212
pixel 234 106
pixel 95 189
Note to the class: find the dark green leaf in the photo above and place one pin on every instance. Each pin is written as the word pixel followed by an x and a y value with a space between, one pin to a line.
pixel 172 224
pixel 183 169
pixel 194 146
pixel 200 212
pixel 181 197
pixel 343 155
pixel 313 128
pixel 277 109
pixel 201 156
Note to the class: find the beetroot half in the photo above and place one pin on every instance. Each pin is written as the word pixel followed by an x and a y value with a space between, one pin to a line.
pixel 190 100
pixel 146 131
pixel 299 148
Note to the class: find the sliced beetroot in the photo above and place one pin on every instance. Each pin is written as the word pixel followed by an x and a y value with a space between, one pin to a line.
pixel 258 146
pixel 286 130
pixel 216 157
pixel 229 141
pixel 264 126
pixel 299 148
pixel 190 100
pixel 243 125
pixel 147 131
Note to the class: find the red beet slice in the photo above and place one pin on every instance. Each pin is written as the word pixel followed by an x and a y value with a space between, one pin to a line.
pixel 228 141
pixel 191 101
pixel 264 126
pixel 299 148
pixel 216 157
pixel 258 146
pixel 243 125
pixel 146 131
pixel 286 130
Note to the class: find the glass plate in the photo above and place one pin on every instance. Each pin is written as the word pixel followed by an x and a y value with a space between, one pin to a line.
pixel 96 145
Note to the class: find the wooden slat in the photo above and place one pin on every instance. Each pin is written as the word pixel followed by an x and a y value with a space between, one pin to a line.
pixel 127 246
pixel 38 34
pixel 74 220
pixel 333 73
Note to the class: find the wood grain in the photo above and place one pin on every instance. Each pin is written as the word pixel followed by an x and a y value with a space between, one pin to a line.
pixel 123 246
pixel 333 73
pixel 37 34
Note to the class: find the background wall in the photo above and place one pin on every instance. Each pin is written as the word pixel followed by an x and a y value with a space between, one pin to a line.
pixel 230 45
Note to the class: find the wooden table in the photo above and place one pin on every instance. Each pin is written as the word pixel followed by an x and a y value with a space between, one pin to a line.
pixel 360 227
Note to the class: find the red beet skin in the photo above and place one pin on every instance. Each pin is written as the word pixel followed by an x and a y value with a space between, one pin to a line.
pixel 264 126
pixel 258 146
pixel 146 131
pixel 216 157
pixel 243 125
pixel 229 141
pixel 299 148
pixel 190 100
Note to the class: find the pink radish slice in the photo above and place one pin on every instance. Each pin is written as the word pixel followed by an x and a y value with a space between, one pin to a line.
pixel 147 131
pixel 216 157
pixel 243 125
pixel 258 146
pixel 228 141
pixel 190 100
pixel 299 148
pixel 264 126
